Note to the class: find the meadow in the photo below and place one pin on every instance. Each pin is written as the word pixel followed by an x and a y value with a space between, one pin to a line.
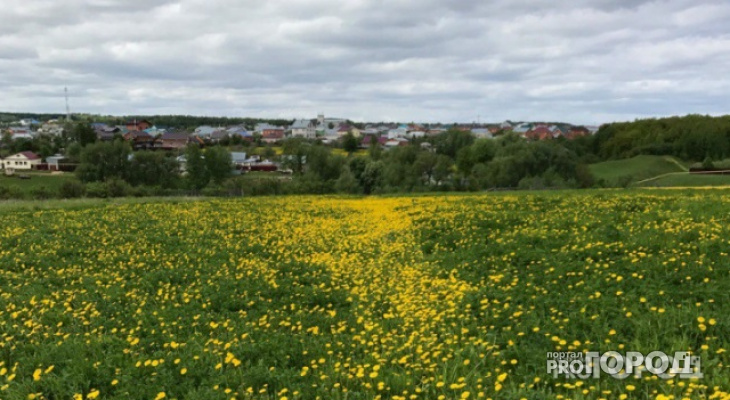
pixel 424 297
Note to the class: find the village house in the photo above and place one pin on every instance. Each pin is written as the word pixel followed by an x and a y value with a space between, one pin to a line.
pixel 136 125
pixel 108 133
pixel 303 128
pixel 51 127
pixel 172 141
pixel 219 135
pixel 482 133
pixel 270 133
pixel 577 131
pixel 19 132
pixel 139 139
pixel 240 131
pixel 205 131
pixel 539 133
pixel 25 160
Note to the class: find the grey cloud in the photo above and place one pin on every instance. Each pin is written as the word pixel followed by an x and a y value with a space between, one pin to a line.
pixel 588 62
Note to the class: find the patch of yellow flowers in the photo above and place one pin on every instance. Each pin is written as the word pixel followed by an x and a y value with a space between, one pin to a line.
pixel 303 297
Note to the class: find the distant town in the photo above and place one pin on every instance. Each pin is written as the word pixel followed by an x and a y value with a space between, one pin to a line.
pixel 143 134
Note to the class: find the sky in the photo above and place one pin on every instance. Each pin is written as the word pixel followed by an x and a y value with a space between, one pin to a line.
pixel 587 62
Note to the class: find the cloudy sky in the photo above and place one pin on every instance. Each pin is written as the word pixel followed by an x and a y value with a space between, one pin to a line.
pixel 590 61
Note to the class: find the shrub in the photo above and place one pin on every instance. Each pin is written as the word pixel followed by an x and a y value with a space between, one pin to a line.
pixel 97 189
pixel 72 189
pixel 117 188
pixel 41 193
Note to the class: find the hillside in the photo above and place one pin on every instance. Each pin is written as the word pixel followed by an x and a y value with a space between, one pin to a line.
pixel 623 172
pixel 682 179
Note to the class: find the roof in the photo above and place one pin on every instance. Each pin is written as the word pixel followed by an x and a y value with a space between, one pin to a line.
pixel 237 156
pixel 30 155
pixel 137 134
pixel 301 124
pixel 218 134
pixel 174 136
pixel 205 130
pixel 266 127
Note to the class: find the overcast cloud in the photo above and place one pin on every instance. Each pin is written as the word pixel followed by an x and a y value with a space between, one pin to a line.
pixel 589 62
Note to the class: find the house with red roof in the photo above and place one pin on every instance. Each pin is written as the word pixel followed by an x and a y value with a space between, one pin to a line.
pixel 539 133
pixel 577 131
pixel 138 125
pixel 25 160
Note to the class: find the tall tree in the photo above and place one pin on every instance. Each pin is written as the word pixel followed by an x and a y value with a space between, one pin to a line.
pixel 103 161
pixel 197 175
pixel 350 143
pixel 219 164
pixel 83 133
pixel 153 169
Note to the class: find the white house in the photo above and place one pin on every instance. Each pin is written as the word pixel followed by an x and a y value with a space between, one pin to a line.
pixel 482 133
pixel 303 128
pixel 54 162
pixel 25 160
pixel 397 133
pixel 205 131
pixel 415 134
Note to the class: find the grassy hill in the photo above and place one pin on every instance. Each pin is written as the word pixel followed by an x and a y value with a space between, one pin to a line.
pixel 624 172
pixel 682 179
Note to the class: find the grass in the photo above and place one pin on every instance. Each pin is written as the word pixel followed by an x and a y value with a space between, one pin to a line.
pixel 688 180
pixel 448 296
pixel 37 181
pixel 636 168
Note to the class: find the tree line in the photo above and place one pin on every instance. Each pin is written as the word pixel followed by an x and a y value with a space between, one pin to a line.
pixel 691 138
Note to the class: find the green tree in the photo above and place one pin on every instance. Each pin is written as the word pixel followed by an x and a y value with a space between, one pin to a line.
pixel 73 152
pixel 295 154
pixel 218 163
pixel 268 152
pixel 83 134
pixel 374 150
pixel 153 169
pixel 443 168
pixel 372 176
pixel 350 143
pixel 103 161
pixel 450 142
pixel 424 166
pixel 197 175
pixel 347 183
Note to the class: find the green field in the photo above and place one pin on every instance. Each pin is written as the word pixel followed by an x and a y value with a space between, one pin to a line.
pixel 687 180
pixel 635 169
pixel 38 180
pixel 304 297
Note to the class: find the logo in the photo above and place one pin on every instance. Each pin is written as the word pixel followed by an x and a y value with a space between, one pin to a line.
pixel 577 365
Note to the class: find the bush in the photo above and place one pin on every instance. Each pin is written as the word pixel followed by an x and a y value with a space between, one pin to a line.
pixel 142 191
pixel 708 164
pixel 41 193
pixel 97 189
pixel 117 188
pixel 234 187
pixel 72 189
pixel 4 192
pixel 213 191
